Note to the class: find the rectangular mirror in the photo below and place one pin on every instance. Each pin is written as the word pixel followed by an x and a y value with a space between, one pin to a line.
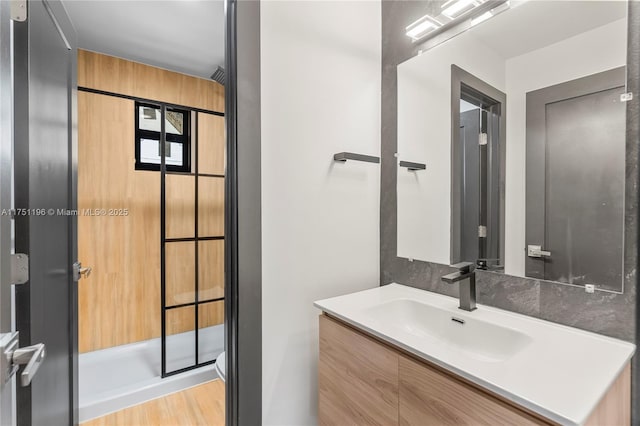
pixel 520 122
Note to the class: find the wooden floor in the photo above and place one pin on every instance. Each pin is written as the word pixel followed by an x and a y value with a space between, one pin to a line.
pixel 200 405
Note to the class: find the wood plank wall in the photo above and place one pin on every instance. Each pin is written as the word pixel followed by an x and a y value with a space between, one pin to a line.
pixel 120 302
pixel 115 75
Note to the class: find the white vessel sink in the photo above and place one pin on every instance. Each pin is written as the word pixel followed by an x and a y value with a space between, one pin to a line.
pixel 481 340
pixel 554 370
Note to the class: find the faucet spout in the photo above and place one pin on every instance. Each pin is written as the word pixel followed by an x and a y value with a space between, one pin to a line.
pixel 466 276
pixel 454 277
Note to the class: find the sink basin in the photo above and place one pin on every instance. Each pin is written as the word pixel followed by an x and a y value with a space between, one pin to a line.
pixel 475 338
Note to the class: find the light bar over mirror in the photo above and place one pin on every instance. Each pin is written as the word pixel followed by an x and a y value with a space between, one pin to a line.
pixel 452 13
pixel 454 8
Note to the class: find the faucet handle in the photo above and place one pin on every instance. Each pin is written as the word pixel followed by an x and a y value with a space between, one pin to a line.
pixel 464 267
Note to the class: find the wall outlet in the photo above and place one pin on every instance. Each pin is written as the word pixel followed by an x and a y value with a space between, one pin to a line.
pixel 590 288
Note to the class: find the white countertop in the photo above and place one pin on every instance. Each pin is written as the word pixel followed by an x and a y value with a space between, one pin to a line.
pixel 561 373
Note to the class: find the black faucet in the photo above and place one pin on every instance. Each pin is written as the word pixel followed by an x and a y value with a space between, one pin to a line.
pixel 466 275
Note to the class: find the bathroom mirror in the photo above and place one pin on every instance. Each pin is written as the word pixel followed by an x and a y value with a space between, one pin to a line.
pixel 511 145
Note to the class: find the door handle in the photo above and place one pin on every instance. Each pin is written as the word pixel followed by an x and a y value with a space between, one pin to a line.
pixel 536 251
pixel 80 272
pixel 32 356
pixel 11 357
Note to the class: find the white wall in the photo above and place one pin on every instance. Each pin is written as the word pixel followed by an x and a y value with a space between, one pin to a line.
pixel 320 219
pixel 424 136
pixel 588 53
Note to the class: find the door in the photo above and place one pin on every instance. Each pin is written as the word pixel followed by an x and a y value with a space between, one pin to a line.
pixel 480 193
pixel 470 194
pixel 45 167
pixel 575 181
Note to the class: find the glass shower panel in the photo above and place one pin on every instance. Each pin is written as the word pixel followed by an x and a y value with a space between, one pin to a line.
pixel 210 330
pixel 180 338
pixel 210 270
pixel 180 273
pixel 211 152
pixel 210 207
pixel 180 202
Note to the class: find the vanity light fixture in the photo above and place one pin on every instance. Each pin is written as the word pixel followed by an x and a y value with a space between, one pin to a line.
pixel 454 8
pixel 482 18
pixel 456 17
pixel 422 27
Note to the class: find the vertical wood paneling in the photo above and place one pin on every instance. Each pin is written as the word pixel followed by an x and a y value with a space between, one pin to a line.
pixel 119 302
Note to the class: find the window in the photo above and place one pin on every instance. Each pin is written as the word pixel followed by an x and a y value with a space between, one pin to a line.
pixel 148 132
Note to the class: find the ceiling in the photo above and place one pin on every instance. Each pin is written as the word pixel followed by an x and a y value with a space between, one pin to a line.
pixel 531 25
pixel 186 36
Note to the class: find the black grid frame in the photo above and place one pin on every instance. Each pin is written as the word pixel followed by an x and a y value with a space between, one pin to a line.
pixel 195 239
pixel 164 171
pixel 184 139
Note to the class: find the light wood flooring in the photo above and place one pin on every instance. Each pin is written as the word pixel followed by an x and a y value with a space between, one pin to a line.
pixel 200 405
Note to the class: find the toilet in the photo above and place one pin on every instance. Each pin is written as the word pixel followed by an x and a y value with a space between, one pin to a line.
pixel 221 366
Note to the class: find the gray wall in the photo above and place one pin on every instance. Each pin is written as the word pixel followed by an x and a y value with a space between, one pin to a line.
pixel 605 313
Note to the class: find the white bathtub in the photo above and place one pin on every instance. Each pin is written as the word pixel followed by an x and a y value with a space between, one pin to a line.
pixel 123 376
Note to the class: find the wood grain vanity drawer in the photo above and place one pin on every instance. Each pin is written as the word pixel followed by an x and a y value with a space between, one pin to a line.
pixel 431 397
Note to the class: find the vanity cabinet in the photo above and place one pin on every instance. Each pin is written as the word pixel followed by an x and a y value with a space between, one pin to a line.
pixel 364 381
pixel 357 377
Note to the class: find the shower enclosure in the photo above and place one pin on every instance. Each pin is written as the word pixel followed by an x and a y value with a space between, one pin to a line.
pixel 151 175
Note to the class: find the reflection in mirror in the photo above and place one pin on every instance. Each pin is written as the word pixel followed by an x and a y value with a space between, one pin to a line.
pixel 575 180
pixel 477 203
pixel 544 197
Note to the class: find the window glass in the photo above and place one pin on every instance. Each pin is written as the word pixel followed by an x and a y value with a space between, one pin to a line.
pixel 149 118
pixel 174 122
pixel 150 152
pixel 149 132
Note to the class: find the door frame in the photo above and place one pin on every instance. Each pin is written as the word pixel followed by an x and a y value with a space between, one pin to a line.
pixel 243 331
pixel 498 101
pixel 535 182
pixel 243 245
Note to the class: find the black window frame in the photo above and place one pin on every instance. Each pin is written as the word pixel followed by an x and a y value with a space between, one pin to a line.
pixel 184 139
